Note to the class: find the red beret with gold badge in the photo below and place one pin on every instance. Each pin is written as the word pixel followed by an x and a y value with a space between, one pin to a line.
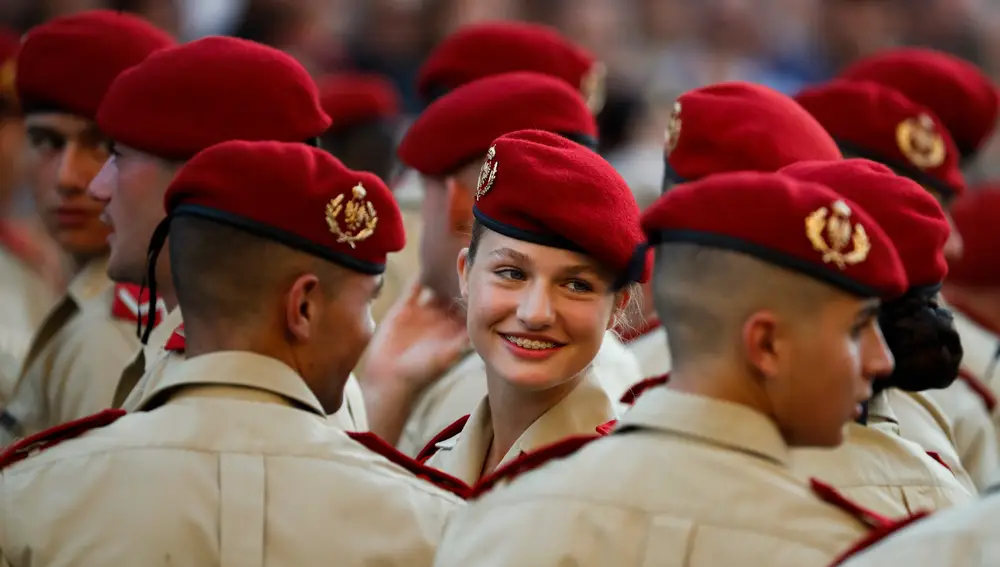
pixel 481 50
pixel 294 194
pixel 977 218
pixel 68 63
pixel 539 187
pixel 182 100
pixel 739 126
pixel 461 125
pixel 958 92
pixel 878 123
pixel 797 225
pixel 355 98
pixel 911 217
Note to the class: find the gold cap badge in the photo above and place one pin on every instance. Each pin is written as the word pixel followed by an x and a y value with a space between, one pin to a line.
pixel 673 133
pixel 838 235
pixel 593 86
pixel 359 216
pixel 487 174
pixel 920 142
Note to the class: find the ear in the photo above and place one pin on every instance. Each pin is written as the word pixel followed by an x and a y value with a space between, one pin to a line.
pixel 761 343
pixel 459 203
pixel 622 299
pixel 302 307
pixel 463 272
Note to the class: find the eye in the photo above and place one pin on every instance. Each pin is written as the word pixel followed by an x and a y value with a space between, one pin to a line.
pixel 45 141
pixel 579 286
pixel 509 274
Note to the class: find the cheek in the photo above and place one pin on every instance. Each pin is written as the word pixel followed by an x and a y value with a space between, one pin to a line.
pixel 586 322
pixel 488 304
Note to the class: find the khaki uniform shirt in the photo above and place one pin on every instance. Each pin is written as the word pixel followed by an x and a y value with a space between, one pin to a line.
pixel 239 467
pixel 156 360
pixel 72 367
pixel 652 352
pixel 882 471
pixel 684 481
pixel 580 413
pixel 461 388
pixel 25 299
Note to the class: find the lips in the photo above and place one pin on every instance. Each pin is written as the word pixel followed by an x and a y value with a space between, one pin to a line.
pixel 71 217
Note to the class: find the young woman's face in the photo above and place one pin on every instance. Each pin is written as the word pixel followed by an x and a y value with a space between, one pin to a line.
pixel 536 315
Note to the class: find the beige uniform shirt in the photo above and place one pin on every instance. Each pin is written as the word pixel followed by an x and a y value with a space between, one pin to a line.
pixel 580 413
pixel 156 360
pixel 461 388
pixel 25 299
pixel 72 367
pixel 882 471
pixel 684 481
pixel 962 537
pixel 240 467
pixel 652 352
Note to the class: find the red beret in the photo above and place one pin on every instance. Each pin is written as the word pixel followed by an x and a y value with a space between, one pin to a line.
pixel 354 98
pixel 875 122
pixel 911 217
pixel 68 63
pixel 294 194
pixel 461 125
pixel 539 187
pixel 794 224
pixel 739 126
pixel 977 218
pixel 233 89
pixel 960 93
pixel 481 50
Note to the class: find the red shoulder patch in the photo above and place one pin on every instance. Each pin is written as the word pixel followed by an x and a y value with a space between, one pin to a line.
pixel 937 457
pixel 447 433
pixel 607 427
pixel 530 461
pixel 830 495
pixel 628 335
pixel 877 535
pixel 439 478
pixel 24 448
pixel 639 388
pixel 176 342
pixel 131 305
pixel 977 386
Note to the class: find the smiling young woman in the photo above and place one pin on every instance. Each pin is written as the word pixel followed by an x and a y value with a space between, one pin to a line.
pixel 549 270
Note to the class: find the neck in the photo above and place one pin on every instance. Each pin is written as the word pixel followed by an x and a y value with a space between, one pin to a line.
pixel 514 409
pixel 717 381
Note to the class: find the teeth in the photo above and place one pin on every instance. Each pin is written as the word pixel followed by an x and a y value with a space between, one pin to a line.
pixel 530 344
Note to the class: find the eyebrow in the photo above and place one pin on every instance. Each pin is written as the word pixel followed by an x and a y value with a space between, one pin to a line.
pixel 869 311
pixel 510 255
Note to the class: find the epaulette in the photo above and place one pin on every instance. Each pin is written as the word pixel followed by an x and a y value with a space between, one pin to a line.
pixel 937 457
pixel 628 335
pixel 436 477
pixel 977 386
pixel 877 535
pixel 131 305
pixel 830 495
pixel 639 388
pixel 32 444
pixel 530 461
pixel 176 342
pixel 431 448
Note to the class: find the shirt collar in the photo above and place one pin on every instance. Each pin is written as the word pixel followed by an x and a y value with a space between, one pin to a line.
pixel 880 414
pixel 718 422
pixel 91 281
pixel 161 333
pixel 243 369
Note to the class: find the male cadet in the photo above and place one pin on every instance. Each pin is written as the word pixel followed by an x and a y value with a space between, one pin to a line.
pixel 64 68
pixel 235 462
pixel 237 90
pixel 364 110
pixel 871 121
pixel 25 296
pixel 875 466
pixel 697 472
pixel 408 386
pixel 726 127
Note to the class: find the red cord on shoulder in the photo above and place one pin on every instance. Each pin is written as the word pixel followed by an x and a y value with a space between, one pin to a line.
pixel 32 444
pixel 437 477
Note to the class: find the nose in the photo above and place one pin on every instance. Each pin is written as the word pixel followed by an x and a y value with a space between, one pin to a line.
pixel 877 359
pixel 100 187
pixel 954 246
pixel 535 309
pixel 73 177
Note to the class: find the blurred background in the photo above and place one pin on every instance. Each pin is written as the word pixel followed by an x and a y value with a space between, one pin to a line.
pixel 654 49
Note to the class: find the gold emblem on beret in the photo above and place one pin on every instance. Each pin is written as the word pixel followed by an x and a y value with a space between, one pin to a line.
pixel 360 217
pixel 920 142
pixel 593 85
pixel 487 174
pixel 830 234
pixel 673 133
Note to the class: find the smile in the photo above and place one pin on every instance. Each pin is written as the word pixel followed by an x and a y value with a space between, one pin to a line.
pixel 530 344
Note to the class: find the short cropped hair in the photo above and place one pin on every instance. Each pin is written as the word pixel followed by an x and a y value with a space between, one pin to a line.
pixel 704 295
